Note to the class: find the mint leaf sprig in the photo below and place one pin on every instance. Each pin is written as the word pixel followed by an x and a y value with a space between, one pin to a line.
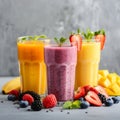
pixel 76 33
pixel 35 37
pixel 88 35
pixel 102 32
pixel 60 41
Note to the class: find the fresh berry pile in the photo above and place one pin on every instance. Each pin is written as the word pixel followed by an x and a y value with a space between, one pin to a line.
pixel 84 97
pixel 90 96
pixel 32 99
pixel 28 98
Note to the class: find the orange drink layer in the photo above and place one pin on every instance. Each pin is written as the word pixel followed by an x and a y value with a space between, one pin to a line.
pixel 88 59
pixel 31 66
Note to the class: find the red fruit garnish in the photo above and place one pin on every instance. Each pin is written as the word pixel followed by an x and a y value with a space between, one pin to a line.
pixel 100 36
pixel 29 98
pixel 49 101
pixel 76 40
pixel 87 87
pixel 90 88
pixel 80 92
pixel 93 98
pixel 101 90
pixel 14 92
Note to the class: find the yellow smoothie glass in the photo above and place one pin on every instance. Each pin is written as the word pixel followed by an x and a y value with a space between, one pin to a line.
pixel 31 65
pixel 88 59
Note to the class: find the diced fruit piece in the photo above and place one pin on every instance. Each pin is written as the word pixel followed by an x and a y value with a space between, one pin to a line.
pixel 112 77
pixel 109 102
pixel 67 105
pixel 100 36
pixel 102 91
pixel 23 104
pixel 76 104
pixel 84 104
pixel 104 73
pixel 80 92
pixel 104 81
pixel 29 98
pixel 93 98
pixel 116 99
pixel 109 92
pixel 115 88
pixel 118 81
pixel 99 76
pixel 49 101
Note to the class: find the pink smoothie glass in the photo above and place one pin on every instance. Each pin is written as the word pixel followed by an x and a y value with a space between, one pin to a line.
pixel 61 65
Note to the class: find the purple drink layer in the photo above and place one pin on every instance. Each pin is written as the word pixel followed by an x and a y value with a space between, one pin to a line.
pixel 61 63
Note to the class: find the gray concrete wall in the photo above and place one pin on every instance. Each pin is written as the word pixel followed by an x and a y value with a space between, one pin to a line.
pixel 58 18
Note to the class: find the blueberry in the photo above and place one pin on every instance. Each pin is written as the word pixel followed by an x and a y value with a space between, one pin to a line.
pixel 84 104
pixel 81 99
pixel 109 102
pixel 116 99
pixel 23 104
pixel 11 97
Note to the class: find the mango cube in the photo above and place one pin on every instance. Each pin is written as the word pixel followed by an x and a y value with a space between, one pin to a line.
pixel 112 77
pixel 104 81
pixel 109 92
pixel 118 81
pixel 115 88
pixel 104 73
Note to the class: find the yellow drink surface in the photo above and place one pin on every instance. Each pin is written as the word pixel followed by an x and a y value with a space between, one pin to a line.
pixel 31 66
pixel 88 59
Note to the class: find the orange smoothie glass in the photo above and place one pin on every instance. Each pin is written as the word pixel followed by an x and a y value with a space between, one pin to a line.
pixel 88 59
pixel 31 65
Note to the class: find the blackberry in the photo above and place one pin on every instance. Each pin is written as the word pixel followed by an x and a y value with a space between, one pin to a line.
pixel 102 97
pixel 33 94
pixel 36 105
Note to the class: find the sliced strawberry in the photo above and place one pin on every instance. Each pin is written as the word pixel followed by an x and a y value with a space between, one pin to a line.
pixel 87 88
pixel 90 88
pixel 93 98
pixel 76 39
pixel 100 36
pixel 80 92
pixel 101 90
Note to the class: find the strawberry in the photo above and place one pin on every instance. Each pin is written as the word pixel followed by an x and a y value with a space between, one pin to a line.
pixel 100 36
pixel 49 101
pixel 101 90
pixel 80 92
pixel 76 39
pixel 90 88
pixel 87 87
pixel 93 98
pixel 29 98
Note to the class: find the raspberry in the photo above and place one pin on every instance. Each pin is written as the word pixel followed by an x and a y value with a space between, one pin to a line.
pixel 49 101
pixel 33 94
pixel 29 98
pixel 36 105
pixel 14 92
